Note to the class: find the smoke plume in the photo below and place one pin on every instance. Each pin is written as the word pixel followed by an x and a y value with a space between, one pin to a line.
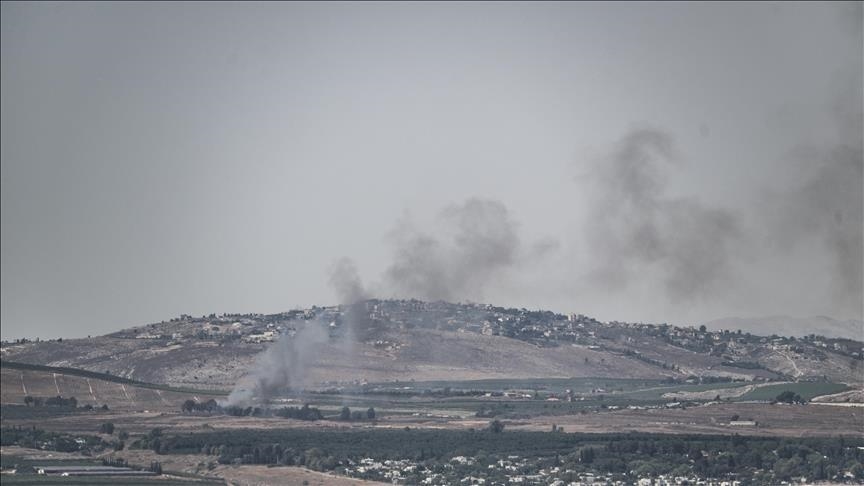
pixel 638 232
pixel 636 227
pixel 282 366
pixel 345 280
pixel 826 204
pixel 474 242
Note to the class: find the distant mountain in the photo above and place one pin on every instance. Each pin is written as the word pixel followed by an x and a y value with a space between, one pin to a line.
pixel 792 326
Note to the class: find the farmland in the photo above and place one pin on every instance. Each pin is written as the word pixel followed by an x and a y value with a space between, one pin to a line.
pixel 808 391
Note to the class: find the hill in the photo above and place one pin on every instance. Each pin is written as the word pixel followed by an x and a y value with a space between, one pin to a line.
pixel 22 380
pixel 792 326
pixel 384 340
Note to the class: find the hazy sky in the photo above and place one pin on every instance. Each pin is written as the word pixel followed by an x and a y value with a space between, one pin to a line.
pixel 656 162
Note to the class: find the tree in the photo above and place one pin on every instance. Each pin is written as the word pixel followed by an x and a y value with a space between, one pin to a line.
pixel 370 414
pixel 28 400
pixel 702 328
pixel 496 427
pixel 106 428
pixel 345 414
pixel 789 396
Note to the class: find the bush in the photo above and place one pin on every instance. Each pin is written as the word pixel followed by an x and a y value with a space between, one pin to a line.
pixel 789 396
pixel 496 426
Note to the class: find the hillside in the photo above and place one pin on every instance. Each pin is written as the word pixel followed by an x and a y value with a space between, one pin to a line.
pixel 23 381
pixel 405 340
pixel 792 326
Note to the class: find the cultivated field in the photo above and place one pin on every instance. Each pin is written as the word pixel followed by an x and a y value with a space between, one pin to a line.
pixel 19 383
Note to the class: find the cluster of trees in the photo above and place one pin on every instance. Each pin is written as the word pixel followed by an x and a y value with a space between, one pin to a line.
pixel 300 413
pixel 34 438
pixel 70 403
pixel 347 414
pixel 758 460
pixel 497 426
pixel 212 407
pixel 57 401
pixel 488 412
pixel 153 440
pixel 789 396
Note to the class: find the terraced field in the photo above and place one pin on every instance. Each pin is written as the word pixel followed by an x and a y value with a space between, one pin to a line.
pixel 18 383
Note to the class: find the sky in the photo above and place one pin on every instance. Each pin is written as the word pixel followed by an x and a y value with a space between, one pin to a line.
pixel 653 162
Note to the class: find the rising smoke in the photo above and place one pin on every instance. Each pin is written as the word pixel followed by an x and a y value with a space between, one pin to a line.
pixel 282 366
pixel 346 282
pixel 637 228
pixel 473 242
pixel 825 205
pixel 638 232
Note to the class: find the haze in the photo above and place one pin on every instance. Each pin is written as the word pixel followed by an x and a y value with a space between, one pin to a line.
pixel 663 162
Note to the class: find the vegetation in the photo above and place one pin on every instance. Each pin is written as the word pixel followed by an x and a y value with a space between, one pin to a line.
pixel 496 427
pixel 34 438
pixel 106 428
pixel 57 401
pixel 806 390
pixel 212 407
pixel 761 460
pixel 789 397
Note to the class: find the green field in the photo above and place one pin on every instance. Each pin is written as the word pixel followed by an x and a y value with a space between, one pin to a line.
pixel 552 385
pixel 806 390
pixel 19 412
pixel 12 461
pixel 658 392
